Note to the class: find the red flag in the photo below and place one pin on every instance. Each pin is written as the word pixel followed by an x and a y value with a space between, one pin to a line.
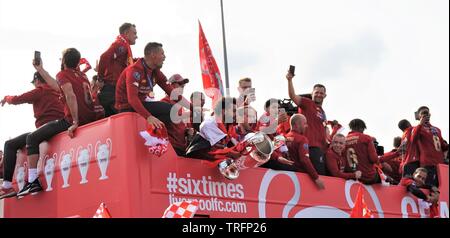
pixel 185 209
pixel 157 140
pixel 212 81
pixel 360 210
pixel 102 212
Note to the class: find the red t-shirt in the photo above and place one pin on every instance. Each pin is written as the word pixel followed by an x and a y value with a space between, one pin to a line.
pixel 299 153
pixel 362 145
pixel 337 165
pixel 431 145
pixel 82 90
pixel 409 140
pixel 267 124
pixel 317 119
pixel 177 130
pixel 134 87
pixel 113 62
pixel 47 105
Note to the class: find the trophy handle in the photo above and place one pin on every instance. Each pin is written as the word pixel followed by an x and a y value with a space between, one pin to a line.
pixel 60 158
pixel 89 148
pixel 44 161
pixel 109 143
pixel 78 152
pixel 96 147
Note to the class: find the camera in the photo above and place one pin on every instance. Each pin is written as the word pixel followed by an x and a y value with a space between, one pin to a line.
pixel 289 106
pixel 380 149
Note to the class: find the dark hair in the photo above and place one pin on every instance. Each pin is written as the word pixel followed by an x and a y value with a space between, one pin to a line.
pixel 270 102
pixel 222 104
pixel 319 86
pixel 152 47
pixel 125 27
pixel 397 141
pixel 404 124
pixel 71 58
pixel 423 108
pixel 38 77
pixel 197 94
pixel 357 125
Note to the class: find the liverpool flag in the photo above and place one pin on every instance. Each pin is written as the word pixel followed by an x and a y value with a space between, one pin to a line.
pixel 212 81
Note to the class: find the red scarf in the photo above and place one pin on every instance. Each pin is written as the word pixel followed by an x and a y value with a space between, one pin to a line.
pixel 122 39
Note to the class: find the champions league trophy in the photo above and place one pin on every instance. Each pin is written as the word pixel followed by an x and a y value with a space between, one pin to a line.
pixel 65 162
pixel 20 177
pixel 49 171
pixel 83 158
pixel 103 152
pixel 257 149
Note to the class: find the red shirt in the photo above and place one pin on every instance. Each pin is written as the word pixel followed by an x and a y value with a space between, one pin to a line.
pixel 394 159
pixel 367 157
pixel 133 87
pixel 299 153
pixel 431 145
pixel 177 130
pixel 409 140
pixel 82 90
pixel 337 164
pixel 317 119
pixel 113 62
pixel 47 105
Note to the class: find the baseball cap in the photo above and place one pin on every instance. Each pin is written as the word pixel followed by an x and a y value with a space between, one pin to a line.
pixel 176 78
pixel 37 76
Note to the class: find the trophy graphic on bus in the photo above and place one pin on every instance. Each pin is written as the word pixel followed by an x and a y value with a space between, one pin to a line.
pixel 20 177
pixel 83 159
pixel 49 171
pixel 65 162
pixel 103 152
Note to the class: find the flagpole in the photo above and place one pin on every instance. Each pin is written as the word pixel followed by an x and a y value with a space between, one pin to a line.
pixel 227 82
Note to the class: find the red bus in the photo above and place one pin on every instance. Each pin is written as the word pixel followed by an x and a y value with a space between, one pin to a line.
pixel 107 162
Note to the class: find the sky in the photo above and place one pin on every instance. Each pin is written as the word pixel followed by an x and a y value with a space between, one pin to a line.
pixel 380 60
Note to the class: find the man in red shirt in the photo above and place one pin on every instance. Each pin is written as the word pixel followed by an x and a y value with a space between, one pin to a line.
pixel 337 164
pixel 178 129
pixel 361 153
pixel 416 182
pixel 272 119
pixel 317 120
pixel 213 142
pixel 113 62
pixel 299 150
pixel 408 148
pixel 135 88
pixel 47 107
pixel 246 92
pixel 431 145
pixel 246 117
pixel 78 110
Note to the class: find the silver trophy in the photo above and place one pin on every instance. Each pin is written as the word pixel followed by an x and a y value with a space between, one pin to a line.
pixel 83 159
pixel 49 171
pixel 65 163
pixel 103 152
pixel 257 151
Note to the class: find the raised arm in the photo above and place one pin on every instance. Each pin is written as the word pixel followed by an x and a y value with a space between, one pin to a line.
pixel 46 76
pixel 297 99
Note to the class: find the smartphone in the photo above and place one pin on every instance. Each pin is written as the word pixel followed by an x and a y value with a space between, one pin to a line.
pixel 37 57
pixel 416 116
pixel 292 69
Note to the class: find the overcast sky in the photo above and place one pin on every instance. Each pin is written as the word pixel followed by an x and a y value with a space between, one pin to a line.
pixel 380 60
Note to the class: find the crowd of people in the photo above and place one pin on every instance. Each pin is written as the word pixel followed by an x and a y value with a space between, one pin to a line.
pixel 303 140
